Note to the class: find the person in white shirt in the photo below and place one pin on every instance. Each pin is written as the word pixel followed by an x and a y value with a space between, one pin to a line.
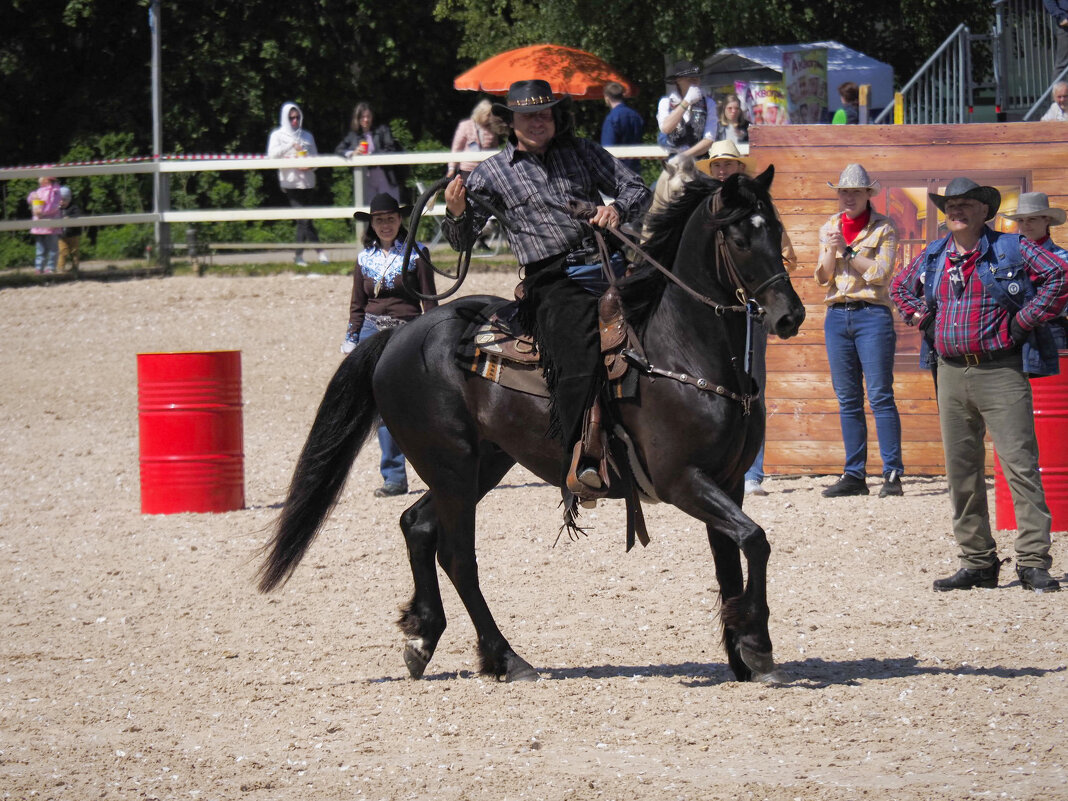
pixel 686 116
pixel 1058 112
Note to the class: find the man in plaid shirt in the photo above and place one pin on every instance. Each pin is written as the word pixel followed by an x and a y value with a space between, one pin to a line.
pixel 959 292
pixel 534 183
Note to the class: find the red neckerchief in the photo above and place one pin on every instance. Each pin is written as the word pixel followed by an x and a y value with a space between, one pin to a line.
pixel 851 227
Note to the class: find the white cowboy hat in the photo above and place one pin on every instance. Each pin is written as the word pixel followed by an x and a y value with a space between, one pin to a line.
pixel 854 176
pixel 1036 204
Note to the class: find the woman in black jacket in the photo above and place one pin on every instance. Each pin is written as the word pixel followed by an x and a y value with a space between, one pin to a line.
pixel 365 139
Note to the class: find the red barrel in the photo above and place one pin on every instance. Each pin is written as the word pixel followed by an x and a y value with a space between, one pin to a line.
pixel 192 438
pixel 1051 428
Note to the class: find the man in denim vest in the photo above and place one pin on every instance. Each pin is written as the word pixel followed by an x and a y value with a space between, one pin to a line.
pixel 971 281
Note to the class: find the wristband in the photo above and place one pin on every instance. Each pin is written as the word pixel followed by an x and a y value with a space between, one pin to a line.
pixel 848 253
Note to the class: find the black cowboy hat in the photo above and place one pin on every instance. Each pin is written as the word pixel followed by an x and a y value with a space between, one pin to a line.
pixel 682 69
pixel 968 189
pixel 526 97
pixel 384 204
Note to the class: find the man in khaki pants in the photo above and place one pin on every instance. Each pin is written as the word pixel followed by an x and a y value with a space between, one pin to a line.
pixel 983 294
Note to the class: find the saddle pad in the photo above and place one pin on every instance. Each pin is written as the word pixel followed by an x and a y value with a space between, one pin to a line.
pixel 495 348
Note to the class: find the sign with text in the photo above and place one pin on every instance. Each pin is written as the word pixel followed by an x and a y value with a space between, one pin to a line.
pixel 804 74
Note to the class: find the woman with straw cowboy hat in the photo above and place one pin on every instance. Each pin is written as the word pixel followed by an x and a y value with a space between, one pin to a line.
pixel 1033 218
pixel 725 160
pixel 858 251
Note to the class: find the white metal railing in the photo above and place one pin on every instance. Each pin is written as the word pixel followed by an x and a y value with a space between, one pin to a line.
pixel 940 91
pixel 168 166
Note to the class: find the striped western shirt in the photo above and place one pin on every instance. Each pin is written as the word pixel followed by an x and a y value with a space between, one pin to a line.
pixel 533 193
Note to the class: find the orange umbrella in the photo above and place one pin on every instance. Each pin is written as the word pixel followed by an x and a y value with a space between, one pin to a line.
pixel 568 70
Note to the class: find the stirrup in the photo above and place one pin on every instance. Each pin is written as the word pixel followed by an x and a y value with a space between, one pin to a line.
pixel 580 488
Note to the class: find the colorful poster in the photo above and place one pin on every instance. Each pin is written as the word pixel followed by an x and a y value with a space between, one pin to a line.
pixel 804 73
pixel 765 103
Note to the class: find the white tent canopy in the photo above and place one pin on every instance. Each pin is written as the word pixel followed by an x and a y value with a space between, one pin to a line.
pixel 765 64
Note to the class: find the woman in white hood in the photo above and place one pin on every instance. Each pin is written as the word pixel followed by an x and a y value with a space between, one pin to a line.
pixel 289 141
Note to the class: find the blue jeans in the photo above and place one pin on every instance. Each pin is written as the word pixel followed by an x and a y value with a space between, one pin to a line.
pixel 47 250
pixel 391 465
pixel 591 278
pixel 860 349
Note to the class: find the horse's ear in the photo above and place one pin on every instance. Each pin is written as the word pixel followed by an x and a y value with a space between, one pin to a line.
pixel 765 178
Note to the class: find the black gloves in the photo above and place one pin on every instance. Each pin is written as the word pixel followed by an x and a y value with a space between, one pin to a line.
pixel 927 329
pixel 1017 331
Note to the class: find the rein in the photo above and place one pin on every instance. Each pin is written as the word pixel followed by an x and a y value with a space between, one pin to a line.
pixel 725 262
pixel 463 260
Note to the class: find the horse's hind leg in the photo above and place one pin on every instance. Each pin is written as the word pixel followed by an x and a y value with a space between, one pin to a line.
pixel 423 619
pixel 444 532
pixel 456 555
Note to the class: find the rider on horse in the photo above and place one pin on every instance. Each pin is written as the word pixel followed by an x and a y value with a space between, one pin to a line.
pixel 537 182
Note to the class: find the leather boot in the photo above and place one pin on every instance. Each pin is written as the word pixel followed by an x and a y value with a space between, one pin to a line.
pixel 1037 579
pixel 966 578
pixel 587 476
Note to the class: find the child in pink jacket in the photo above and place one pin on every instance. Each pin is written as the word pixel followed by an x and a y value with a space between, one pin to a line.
pixel 44 203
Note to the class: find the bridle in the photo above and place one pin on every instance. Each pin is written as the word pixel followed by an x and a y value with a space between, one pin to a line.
pixel 747 303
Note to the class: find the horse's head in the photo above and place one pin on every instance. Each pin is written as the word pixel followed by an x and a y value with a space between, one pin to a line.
pixel 746 240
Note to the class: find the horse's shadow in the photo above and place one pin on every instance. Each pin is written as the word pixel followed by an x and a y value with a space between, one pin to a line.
pixel 813 673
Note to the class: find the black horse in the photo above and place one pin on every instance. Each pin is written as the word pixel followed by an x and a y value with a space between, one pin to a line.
pixel 695 425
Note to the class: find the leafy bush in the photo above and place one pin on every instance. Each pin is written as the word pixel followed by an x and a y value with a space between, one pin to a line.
pixel 16 249
pixel 123 241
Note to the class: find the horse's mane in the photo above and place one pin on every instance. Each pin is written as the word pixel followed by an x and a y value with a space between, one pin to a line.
pixel 663 229
pixel 641 290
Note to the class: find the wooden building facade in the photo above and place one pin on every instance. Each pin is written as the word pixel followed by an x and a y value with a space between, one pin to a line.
pixel 804 436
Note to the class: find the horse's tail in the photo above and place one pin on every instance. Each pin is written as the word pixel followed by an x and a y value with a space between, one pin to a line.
pixel 346 416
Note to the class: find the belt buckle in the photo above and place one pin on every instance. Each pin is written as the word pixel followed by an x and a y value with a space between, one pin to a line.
pixel 971 359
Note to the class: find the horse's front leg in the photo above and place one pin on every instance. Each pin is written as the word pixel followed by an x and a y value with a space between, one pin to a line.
pixel 744 602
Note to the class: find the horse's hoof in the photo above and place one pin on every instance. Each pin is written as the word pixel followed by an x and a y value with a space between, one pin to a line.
pixel 761 663
pixel 416 657
pixel 777 676
pixel 517 669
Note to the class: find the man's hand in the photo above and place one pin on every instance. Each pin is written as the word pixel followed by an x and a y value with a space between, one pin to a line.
pixel 605 217
pixel 1017 331
pixel 693 94
pixel 456 196
pixel 926 327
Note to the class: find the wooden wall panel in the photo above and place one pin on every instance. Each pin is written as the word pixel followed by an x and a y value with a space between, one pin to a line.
pixel 803 430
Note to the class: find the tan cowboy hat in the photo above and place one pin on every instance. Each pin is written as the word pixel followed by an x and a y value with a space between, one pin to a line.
pixel 1036 204
pixel 726 150
pixel 854 176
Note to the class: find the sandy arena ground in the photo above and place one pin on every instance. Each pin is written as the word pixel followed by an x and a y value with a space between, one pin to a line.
pixel 138 661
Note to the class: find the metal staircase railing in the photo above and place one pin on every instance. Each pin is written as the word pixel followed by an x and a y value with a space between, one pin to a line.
pixel 1024 34
pixel 941 90
pixel 1019 47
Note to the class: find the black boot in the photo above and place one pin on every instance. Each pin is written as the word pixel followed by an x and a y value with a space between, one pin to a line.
pixel 1037 579
pixel 846 485
pixel 966 578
